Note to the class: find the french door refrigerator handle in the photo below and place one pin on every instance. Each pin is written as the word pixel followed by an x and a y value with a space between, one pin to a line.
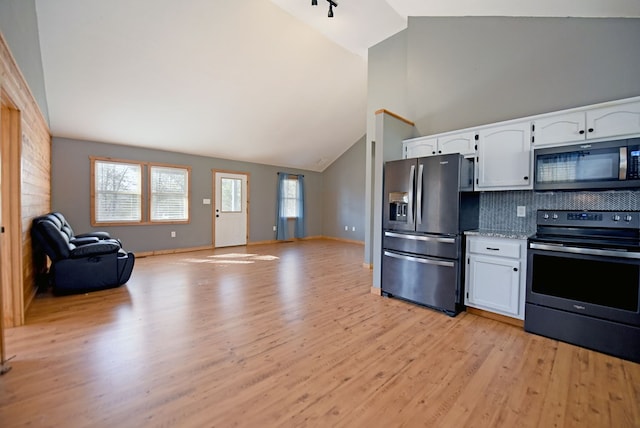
pixel 412 181
pixel 419 259
pixel 419 196
pixel 421 237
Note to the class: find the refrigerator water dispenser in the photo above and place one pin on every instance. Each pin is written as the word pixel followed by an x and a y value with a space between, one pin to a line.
pixel 398 206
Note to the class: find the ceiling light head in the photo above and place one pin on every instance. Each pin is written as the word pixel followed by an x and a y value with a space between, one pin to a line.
pixel 331 4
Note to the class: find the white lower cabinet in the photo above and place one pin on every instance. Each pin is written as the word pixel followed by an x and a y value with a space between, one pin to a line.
pixel 496 274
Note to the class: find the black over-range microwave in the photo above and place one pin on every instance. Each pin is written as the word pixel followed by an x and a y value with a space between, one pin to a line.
pixel 603 165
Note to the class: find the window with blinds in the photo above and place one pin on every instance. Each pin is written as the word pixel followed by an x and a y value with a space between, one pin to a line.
pixel 169 193
pixel 290 196
pixel 118 192
pixel 119 197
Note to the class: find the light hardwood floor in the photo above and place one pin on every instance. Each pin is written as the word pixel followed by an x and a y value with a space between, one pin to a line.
pixel 290 335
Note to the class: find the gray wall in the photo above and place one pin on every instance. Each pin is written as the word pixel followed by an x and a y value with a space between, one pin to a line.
pixel 463 72
pixel 70 184
pixel 19 26
pixel 468 71
pixel 343 199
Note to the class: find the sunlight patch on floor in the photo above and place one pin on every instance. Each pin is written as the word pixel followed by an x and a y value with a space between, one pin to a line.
pixel 232 258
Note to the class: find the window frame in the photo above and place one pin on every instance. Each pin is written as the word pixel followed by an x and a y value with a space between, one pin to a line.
pixel 93 195
pixel 150 193
pixel 145 192
pixel 296 199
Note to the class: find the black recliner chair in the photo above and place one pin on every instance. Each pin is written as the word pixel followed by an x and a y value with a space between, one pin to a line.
pixel 80 263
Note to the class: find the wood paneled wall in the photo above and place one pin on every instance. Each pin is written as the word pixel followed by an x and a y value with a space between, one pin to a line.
pixel 28 171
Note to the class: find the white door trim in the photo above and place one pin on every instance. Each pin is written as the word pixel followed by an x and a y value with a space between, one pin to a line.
pixel 247 205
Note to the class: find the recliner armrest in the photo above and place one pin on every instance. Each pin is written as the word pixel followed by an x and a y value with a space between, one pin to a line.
pixel 80 241
pixel 94 249
pixel 97 234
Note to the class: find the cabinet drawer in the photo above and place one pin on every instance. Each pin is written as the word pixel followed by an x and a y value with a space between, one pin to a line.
pixel 495 247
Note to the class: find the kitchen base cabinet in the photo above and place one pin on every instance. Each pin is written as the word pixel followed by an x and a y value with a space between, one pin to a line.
pixel 495 275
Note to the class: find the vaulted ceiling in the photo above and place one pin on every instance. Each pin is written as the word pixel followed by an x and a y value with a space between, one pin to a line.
pixel 274 82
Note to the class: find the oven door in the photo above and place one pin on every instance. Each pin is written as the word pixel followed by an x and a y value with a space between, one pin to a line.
pixel 600 283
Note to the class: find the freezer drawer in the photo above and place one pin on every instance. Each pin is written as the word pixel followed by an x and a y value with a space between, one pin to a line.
pixel 443 246
pixel 423 280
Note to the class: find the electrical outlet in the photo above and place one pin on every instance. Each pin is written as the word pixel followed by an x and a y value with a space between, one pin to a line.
pixel 353 229
pixel 346 228
pixel 173 233
pixel 274 228
pixel 521 211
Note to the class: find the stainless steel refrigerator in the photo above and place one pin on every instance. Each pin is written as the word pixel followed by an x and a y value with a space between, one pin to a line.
pixel 428 203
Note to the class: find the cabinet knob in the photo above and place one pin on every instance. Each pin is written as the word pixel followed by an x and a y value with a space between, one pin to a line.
pixel 439 151
pixel 590 129
pixel 476 137
pixel 526 177
pixel 581 132
pixel 433 152
pixel 515 269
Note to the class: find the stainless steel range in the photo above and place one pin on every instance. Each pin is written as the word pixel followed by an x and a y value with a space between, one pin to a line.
pixel 583 280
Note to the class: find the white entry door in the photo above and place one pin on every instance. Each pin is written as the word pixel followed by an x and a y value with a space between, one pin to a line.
pixel 230 211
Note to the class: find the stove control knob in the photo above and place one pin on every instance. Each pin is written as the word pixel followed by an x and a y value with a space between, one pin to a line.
pixel 615 217
pixel 555 216
pixel 627 218
pixel 545 216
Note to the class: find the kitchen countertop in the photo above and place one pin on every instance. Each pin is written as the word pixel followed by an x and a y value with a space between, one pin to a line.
pixel 498 233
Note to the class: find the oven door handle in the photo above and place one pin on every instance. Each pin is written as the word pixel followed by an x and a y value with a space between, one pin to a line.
pixel 586 251
pixel 419 259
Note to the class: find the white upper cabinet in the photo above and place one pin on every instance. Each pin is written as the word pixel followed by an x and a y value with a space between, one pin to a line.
pixel 618 120
pixel 504 150
pixel 463 143
pixel 615 120
pixel 561 128
pixel 419 147
pixel 504 157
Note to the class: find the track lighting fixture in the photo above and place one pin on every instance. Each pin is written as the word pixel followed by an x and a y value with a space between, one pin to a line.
pixel 331 5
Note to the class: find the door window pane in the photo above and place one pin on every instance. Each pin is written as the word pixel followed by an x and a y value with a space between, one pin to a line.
pixel 231 194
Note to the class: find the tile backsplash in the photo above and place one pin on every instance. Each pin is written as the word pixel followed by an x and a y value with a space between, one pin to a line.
pixel 498 209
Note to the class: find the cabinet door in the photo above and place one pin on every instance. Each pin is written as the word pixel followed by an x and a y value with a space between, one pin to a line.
pixel 494 284
pixel 623 119
pixel 464 143
pixel 504 158
pixel 420 147
pixel 563 128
